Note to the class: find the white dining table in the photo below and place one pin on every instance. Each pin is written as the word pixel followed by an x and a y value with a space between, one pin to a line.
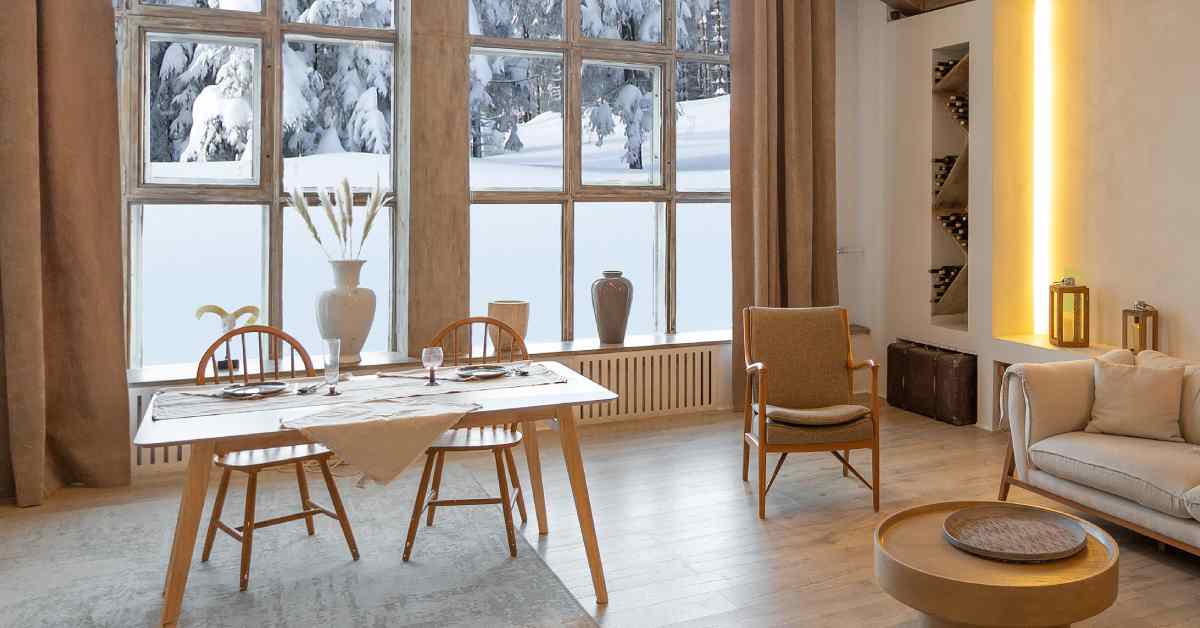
pixel 250 429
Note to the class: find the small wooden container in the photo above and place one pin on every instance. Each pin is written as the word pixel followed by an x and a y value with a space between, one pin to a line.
pixel 1070 322
pixel 1139 327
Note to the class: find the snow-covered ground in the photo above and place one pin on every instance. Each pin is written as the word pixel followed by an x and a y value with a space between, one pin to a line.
pixel 515 250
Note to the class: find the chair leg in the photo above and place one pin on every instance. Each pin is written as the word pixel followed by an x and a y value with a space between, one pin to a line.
pixel 846 463
pixel 515 480
pixel 420 501
pixel 745 460
pixel 218 505
pixel 875 476
pixel 1010 465
pixel 248 527
pixel 504 507
pixel 302 482
pixel 436 488
pixel 339 509
pixel 762 482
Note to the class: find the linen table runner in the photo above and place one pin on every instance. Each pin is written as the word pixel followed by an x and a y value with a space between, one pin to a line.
pixel 194 401
pixel 380 438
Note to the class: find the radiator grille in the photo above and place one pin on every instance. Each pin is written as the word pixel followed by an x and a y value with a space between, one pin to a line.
pixel 151 458
pixel 657 382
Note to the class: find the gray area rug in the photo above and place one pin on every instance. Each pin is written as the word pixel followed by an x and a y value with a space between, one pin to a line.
pixel 101 562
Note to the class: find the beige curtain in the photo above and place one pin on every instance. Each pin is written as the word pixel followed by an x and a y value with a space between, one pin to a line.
pixel 64 416
pixel 783 142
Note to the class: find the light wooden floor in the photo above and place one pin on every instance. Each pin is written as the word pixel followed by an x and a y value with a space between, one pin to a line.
pixel 682 546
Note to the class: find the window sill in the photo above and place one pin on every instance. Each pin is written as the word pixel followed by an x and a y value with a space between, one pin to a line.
pixel 1042 341
pixel 183 374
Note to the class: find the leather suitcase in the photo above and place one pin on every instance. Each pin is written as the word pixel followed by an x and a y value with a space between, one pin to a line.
pixel 920 381
pixel 956 377
pixel 897 371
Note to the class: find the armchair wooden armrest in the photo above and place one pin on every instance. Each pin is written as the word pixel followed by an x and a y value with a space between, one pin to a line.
pixel 865 364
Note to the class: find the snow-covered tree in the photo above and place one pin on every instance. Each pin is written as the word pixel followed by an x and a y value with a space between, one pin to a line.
pixel 368 13
pixel 506 91
pixel 628 20
pixel 522 19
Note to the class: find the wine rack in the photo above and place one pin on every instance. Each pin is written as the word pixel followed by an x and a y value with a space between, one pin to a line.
pixel 950 163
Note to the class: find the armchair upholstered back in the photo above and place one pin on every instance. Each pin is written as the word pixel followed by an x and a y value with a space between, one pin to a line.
pixel 806 352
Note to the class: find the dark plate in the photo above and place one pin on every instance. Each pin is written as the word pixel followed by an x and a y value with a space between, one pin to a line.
pixel 484 371
pixel 254 391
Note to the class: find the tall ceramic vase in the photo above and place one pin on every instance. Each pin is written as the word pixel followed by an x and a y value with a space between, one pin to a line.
pixel 612 295
pixel 515 313
pixel 347 310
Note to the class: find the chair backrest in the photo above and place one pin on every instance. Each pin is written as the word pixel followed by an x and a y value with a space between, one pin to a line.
pixel 479 339
pixel 267 346
pixel 806 352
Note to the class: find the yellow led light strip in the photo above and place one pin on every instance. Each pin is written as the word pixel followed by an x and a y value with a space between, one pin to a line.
pixel 1043 166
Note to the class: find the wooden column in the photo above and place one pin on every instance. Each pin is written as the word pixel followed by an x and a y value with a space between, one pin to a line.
pixel 439 246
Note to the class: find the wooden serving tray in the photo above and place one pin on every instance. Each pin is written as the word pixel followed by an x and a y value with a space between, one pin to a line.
pixel 1014 532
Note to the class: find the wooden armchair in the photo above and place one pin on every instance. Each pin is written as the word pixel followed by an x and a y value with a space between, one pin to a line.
pixel 804 404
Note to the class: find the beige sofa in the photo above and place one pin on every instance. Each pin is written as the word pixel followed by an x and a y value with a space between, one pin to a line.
pixel 1149 486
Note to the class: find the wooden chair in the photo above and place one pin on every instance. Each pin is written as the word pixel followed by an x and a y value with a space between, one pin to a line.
pixel 807 405
pixel 251 462
pixel 457 342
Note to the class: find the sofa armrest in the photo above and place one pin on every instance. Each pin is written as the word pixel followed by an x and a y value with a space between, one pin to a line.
pixel 1044 400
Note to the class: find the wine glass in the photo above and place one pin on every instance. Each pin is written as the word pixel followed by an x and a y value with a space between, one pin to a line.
pixel 431 358
pixel 333 363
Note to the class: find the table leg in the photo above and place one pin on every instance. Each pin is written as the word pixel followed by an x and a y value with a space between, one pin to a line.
pixel 191 507
pixel 583 503
pixel 533 458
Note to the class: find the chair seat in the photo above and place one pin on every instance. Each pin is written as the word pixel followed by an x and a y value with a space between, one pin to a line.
pixel 787 434
pixel 258 458
pixel 815 417
pixel 465 439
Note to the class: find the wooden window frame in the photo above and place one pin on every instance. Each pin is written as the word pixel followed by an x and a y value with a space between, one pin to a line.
pixel 135 20
pixel 577 48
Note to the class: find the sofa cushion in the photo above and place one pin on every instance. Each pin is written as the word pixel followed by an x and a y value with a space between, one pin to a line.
pixel 1154 473
pixel 1136 401
pixel 1191 501
pixel 829 415
pixel 1189 409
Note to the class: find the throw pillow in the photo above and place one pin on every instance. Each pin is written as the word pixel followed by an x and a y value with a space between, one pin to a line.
pixel 1136 401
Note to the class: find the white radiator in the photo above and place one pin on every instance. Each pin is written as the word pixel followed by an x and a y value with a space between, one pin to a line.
pixel 648 383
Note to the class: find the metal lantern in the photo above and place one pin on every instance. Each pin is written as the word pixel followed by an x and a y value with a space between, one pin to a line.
pixel 1070 321
pixel 1139 327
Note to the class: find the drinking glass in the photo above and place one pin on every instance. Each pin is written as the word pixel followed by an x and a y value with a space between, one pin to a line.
pixel 333 363
pixel 431 358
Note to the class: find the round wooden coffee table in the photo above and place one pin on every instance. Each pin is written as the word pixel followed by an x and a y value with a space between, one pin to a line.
pixel 916 565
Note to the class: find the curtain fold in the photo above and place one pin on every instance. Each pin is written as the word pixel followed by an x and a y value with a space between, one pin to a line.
pixel 784 166
pixel 62 368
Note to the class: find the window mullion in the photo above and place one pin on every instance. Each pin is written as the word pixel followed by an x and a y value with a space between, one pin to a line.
pixel 274 263
pixel 568 271
pixel 670 276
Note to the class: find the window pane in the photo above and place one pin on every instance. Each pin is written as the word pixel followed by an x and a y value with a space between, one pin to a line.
pixel 521 19
pixel 621 129
pixel 516 253
pixel 363 13
pixel 704 270
pixel 306 274
pixel 194 255
pixel 337 113
pixel 202 110
pixel 227 5
pixel 703 26
pixel 516 135
pixel 702 127
pixel 616 236
pixel 640 20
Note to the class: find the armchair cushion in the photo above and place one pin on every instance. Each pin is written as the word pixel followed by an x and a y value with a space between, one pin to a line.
pixel 788 434
pixel 1156 474
pixel 829 415
pixel 1137 401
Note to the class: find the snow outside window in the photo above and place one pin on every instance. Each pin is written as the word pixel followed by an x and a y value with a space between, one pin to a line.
pixel 704 268
pixel 622 133
pixel 202 109
pixel 337 113
pixel 516 121
pixel 225 5
pixel 194 255
pixel 516 253
pixel 702 127
pixel 360 13
pixel 518 19
pixel 627 20
pixel 703 26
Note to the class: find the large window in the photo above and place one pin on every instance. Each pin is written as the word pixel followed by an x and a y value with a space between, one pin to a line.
pixel 599 136
pixel 229 105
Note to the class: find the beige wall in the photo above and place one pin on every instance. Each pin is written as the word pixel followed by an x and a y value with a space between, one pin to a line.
pixel 1124 216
